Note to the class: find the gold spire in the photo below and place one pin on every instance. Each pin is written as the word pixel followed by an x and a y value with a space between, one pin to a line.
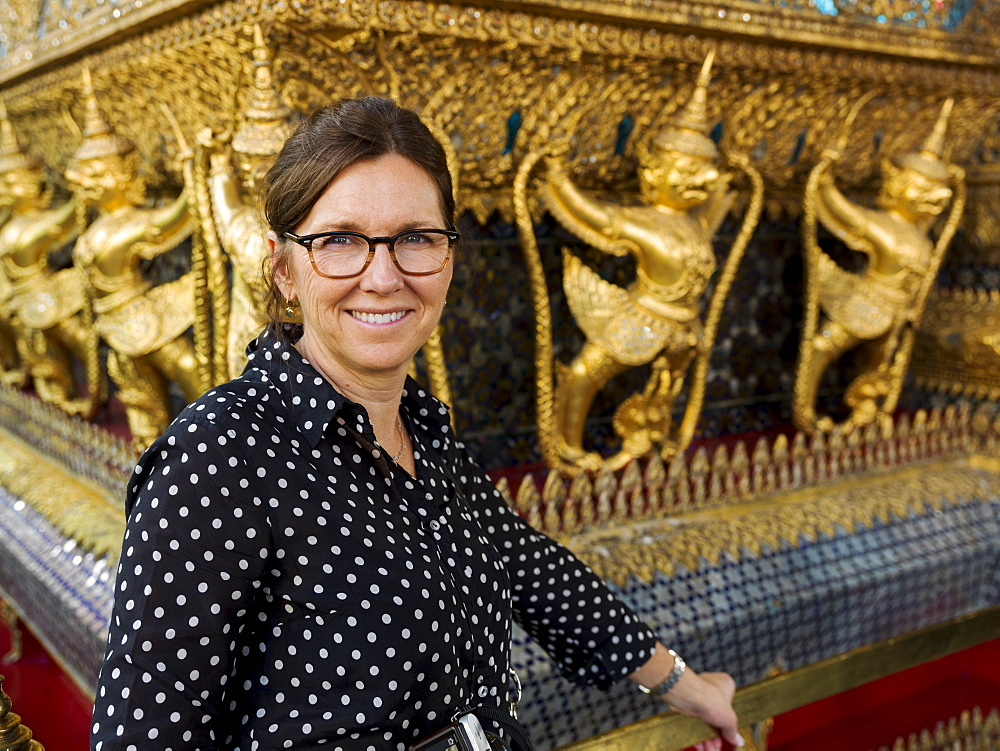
pixel 266 125
pixel 928 161
pixel 12 154
pixel 688 131
pixel 99 138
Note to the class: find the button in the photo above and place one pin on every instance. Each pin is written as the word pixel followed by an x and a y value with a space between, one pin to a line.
pixel 483 692
pixel 434 524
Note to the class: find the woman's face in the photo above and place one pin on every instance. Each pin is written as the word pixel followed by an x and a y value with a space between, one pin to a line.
pixel 375 322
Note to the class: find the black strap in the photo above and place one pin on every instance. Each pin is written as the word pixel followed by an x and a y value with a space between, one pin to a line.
pixel 519 740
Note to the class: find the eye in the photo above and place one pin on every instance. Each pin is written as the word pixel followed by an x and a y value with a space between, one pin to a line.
pixel 334 242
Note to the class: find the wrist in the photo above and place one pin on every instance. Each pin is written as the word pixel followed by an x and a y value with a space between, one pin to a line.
pixel 672 678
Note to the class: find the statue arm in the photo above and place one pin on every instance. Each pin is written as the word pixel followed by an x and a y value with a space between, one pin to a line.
pixel 224 191
pixel 594 222
pixel 713 210
pixel 166 227
pixel 837 213
pixel 58 227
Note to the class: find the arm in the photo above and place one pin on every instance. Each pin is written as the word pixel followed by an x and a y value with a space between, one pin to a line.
pixel 839 215
pixel 63 225
pixel 706 696
pixel 569 611
pixel 594 222
pixel 166 226
pixel 224 189
pixel 193 557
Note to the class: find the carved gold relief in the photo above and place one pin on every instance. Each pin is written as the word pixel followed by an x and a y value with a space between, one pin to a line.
pixel 656 320
pixel 878 309
pixel 958 348
pixel 143 324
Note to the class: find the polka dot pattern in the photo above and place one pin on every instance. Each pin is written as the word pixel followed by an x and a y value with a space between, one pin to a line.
pixel 284 584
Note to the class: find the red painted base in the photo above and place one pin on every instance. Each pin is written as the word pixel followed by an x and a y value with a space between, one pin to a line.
pixel 876 714
pixel 864 718
pixel 48 701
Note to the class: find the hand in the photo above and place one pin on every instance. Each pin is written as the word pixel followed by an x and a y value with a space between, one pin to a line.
pixel 708 697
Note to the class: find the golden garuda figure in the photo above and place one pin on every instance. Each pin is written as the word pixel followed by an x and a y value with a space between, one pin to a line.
pixel 878 309
pixel 658 319
pixel 237 161
pixel 49 312
pixel 144 325
pixel 13 372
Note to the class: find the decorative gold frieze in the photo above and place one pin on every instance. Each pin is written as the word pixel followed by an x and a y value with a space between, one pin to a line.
pixel 13 735
pixel 970 731
pixel 958 350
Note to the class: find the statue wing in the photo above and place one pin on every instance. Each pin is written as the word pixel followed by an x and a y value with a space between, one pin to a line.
pixel 608 316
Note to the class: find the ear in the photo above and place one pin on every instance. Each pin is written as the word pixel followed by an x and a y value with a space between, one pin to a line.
pixel 279 265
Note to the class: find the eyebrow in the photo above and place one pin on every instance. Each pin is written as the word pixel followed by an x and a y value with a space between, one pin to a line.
pixel 348 226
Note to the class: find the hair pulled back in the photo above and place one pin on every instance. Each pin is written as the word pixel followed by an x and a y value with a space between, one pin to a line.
pixel 329 141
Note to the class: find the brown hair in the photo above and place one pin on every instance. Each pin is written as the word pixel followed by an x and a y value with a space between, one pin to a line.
pixel 328 142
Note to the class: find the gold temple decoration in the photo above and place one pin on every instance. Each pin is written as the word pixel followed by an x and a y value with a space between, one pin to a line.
pixel 142 323
pixel 970 731
pixel 236 162
pixel 657 320
pixel 48 311
pixel 13 735
pixel 878 309
pixel 958 348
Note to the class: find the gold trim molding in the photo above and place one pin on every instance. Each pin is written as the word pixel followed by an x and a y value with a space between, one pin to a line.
pixel 772 696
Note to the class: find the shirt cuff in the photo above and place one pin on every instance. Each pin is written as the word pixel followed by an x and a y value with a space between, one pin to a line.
pixel 628 649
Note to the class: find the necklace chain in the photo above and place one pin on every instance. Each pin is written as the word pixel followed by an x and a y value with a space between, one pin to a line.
pixel 402 439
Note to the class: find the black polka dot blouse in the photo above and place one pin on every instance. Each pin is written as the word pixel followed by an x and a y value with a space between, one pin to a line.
pixel 284 584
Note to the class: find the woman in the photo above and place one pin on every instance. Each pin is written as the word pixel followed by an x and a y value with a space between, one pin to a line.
pixel 311 558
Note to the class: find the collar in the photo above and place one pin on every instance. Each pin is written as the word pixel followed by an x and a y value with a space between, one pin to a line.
pixel 314 403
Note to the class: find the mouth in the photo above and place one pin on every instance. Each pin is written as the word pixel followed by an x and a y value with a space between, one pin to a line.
pixel 377 319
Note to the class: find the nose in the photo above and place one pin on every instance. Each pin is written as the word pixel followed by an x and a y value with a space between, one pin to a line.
pixel 382 277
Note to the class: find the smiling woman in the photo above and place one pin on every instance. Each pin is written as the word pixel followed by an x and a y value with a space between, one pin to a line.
pixel 311 557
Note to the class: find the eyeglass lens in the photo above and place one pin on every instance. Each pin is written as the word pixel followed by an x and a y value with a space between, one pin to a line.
pixel 343 254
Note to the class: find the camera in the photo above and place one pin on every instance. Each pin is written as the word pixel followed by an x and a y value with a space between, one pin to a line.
pixel 465 734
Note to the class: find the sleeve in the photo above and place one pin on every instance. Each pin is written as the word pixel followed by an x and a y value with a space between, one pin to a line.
pixel 592 636
pixel 194 554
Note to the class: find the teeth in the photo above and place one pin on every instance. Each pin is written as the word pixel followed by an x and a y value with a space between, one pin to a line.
pixel 377 317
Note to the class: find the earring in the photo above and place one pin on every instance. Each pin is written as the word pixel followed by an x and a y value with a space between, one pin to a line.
pixel 292 310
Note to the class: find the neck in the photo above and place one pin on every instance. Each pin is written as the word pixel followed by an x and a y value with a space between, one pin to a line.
pixel 378 393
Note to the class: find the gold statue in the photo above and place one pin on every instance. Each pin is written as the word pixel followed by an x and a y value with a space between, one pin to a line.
pixel 879 309
pixel 12 371
pixel 657 319
pixel 254 145
pixel 48 311
pixel 144 325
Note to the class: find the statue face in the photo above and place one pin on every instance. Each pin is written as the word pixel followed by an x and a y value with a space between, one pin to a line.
pixel 22 184
pixel 251 168
pixel 95 180
pixel 679 181
pixel 918 195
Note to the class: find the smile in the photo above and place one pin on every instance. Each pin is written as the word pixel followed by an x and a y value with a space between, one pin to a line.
pixel 378 317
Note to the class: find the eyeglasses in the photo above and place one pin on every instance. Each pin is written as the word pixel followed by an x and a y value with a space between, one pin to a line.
pixel 341 255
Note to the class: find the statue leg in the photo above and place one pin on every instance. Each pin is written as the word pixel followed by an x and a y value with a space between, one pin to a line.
pixel 578 386
pixel 865 395
pixel 829 344
pixel 51 367
pixel 143 391
pixel 178 362
pixel 12 366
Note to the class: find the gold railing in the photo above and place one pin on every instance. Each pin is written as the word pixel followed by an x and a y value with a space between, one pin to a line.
pixel 782 693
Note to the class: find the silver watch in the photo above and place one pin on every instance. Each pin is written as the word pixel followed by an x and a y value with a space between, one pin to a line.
pixel 671 680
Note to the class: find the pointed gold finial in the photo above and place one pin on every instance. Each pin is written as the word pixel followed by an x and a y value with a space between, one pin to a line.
pixel 929 160
pixel 267 123
pixel 688 131
pixel 99 138
pixel 13 735
pixel 12 154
